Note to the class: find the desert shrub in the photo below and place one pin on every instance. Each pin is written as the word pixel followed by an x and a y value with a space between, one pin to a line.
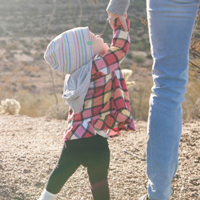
pixel 196 109
pixel 139 97
pixel 149 56
pixel 192 102
pixel 126 66
pixel 138 59
pixel 27 52
pixel 127 73
pixel 141 45
pixel 129 55
pixel 59 111
pixel 193 93
pixel 9 107
pixel 36 105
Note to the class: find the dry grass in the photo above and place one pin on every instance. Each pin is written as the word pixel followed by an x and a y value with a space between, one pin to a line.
pixel 36 104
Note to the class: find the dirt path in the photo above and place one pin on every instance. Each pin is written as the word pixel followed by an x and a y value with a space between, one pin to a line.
pixel 30 147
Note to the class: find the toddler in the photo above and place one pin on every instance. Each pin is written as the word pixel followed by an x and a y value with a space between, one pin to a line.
pixel 97 94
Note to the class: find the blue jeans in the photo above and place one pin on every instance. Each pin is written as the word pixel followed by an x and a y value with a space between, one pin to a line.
pixel 170 30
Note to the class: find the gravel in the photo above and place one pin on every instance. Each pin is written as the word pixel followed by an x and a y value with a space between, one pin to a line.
pixel 30 148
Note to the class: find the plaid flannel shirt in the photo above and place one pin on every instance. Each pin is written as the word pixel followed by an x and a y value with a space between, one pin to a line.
pixel 106 105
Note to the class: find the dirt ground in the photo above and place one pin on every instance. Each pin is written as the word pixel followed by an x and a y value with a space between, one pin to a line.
pixel 30 147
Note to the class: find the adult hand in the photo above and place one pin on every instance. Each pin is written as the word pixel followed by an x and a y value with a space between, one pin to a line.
pixel 122 18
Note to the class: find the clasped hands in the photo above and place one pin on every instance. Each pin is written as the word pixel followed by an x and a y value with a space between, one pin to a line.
pixel 122 18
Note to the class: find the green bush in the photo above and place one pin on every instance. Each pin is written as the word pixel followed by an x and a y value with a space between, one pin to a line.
pixel 138 59
pixel 129 55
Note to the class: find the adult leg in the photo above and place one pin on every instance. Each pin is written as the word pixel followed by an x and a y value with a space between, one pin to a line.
pixel 170 29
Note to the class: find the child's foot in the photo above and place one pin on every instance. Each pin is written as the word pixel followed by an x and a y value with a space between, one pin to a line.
pixel 47 196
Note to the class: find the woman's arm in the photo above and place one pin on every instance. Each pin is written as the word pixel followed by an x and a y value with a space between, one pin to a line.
pixel 119 7
pixel 118 49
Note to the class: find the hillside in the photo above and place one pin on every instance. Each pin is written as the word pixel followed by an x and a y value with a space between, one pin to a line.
pixel 26 27
pixel 30 147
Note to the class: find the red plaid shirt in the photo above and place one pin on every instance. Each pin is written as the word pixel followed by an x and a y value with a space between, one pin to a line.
pixel 106 105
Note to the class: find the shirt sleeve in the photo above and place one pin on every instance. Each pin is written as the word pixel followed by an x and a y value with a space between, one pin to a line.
pixel 118 6
pixel 117 51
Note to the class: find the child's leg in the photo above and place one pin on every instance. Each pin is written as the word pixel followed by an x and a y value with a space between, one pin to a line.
pixel 97 167
pixel 98 174
pixel 65 167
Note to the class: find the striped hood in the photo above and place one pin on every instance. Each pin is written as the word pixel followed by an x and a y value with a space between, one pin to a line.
pixel 70 50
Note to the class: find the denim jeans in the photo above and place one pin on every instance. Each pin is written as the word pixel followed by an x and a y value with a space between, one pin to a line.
pixel 170 24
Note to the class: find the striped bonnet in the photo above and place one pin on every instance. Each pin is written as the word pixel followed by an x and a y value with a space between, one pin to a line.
pixel 70 50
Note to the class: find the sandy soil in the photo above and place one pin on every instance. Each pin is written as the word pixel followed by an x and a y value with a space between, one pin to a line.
pixel 30 147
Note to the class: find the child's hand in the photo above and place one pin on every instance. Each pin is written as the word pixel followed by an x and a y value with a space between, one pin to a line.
pixel 122 18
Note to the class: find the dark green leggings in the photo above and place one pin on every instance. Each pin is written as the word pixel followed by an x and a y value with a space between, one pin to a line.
pixel 92 153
